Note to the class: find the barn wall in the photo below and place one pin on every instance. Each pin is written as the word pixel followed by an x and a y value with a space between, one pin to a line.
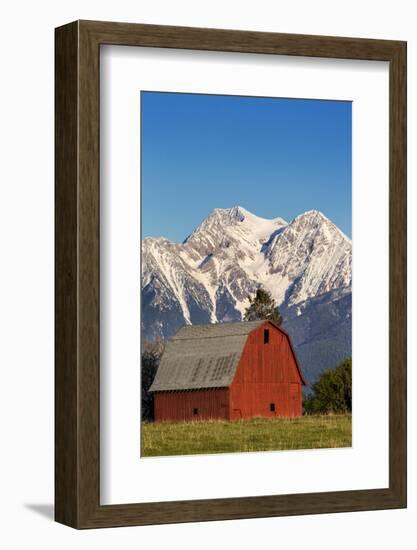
pixel 267 374
pixel 180 405
pixel 256 399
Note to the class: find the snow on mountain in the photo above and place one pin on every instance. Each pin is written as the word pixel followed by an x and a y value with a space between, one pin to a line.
pixel 312 256
pixel 209 277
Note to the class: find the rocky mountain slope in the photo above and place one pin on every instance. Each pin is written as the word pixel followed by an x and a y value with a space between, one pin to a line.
pixel 305 264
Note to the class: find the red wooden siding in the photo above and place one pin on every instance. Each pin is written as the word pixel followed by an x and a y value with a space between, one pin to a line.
pixel 180 405
pixel 267 375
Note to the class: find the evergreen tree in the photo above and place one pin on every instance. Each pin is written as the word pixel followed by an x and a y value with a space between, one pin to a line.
pixel 151 356
pixel 262 307
pixel 332 391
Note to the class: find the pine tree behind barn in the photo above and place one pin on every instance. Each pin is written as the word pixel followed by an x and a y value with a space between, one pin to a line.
pixel 228 371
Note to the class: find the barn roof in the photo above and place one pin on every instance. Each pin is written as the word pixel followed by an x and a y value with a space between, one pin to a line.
pixel 203 356
pixel 216 330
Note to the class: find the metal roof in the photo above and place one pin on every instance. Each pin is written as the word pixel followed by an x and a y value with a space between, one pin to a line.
pixel 202 356
pixel 216 330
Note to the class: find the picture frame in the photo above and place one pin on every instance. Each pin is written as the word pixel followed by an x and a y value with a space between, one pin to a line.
pixel 77 274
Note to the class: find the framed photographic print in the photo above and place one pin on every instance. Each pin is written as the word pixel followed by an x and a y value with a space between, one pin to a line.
pixel 230 274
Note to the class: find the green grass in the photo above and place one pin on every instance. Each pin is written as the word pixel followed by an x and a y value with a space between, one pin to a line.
pixel 258 434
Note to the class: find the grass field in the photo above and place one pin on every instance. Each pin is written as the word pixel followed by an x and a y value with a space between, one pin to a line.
pixel 258 434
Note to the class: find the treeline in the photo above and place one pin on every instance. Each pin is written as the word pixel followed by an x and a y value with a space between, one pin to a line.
pixel 151 356
pixel 332 393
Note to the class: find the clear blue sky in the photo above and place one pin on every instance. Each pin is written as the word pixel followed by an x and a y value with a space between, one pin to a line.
pixel 275 157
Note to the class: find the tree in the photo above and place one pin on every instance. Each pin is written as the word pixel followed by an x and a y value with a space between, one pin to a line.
pixel 262 307
pixel 332 391
pixel 151 356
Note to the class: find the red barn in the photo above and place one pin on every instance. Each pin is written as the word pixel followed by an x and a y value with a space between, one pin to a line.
pixel 228 371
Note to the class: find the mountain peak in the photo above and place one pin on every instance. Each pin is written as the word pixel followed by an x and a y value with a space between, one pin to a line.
pixel 221 217
pixel 238 223
pixel 315 218
pixel 234 214
pixel 238 214
pixel 312 215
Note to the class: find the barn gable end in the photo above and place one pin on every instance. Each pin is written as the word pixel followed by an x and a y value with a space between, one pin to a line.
pixel 268 379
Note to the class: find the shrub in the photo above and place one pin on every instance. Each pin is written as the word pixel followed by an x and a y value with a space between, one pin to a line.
pixel 332 391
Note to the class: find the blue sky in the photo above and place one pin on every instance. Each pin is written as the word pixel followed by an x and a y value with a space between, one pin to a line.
pixel 275 157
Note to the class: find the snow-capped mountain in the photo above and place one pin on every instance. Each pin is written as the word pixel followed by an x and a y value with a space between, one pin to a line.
pixel 209 277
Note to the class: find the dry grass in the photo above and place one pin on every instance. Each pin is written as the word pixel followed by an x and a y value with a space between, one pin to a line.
pixel 258 434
